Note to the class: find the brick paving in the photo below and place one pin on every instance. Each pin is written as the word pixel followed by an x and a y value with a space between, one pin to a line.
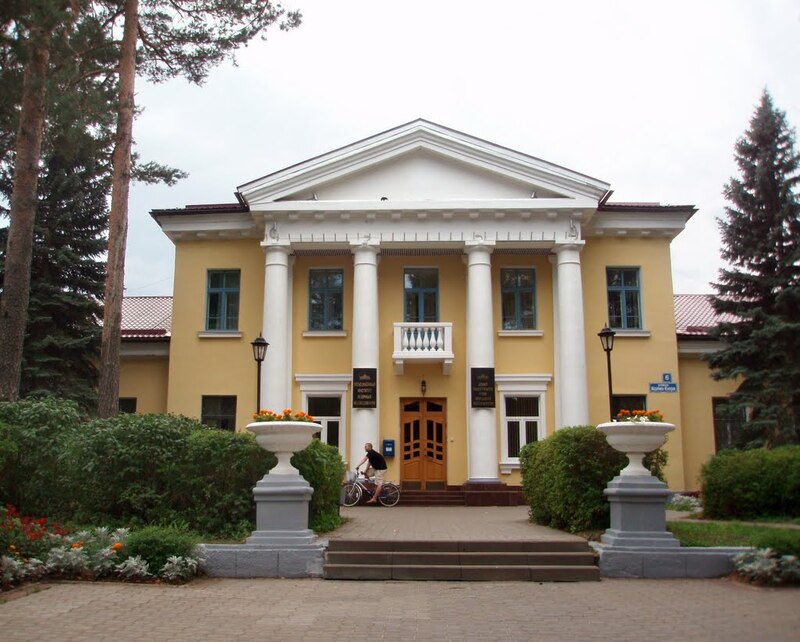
pixel 286 610
pixel 233 610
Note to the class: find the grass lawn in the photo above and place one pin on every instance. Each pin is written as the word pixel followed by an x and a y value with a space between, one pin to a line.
pixel 785 541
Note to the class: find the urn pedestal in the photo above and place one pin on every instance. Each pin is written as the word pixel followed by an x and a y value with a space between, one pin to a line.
pixel 637 498
pixel 282 495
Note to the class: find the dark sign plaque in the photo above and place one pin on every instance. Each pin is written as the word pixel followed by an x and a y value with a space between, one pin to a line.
pixel 365 387
pixel 482 387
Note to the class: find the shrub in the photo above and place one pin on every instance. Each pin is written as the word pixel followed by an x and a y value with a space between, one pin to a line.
pixel 156 544
pixel 127 467
pixel 32 437
pixel 323 468
pixel 765 566
pixel 563 478
pixel 744 484
pixel 215 489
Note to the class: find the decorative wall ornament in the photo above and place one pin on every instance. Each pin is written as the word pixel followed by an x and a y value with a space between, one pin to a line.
pixel 573 233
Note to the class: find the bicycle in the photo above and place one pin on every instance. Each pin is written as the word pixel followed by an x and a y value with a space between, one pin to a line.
pixel 356 489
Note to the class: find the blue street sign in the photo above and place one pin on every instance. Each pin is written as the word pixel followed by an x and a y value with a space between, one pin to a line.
pixel 666 377
pixel 663 387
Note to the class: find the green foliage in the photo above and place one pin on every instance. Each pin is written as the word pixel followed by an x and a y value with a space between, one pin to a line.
pixel 747 484
pixel 761 286
pixel 155 544
pixel 34 436
pixel 128 467
pixel 217 479
pixel 323 468
pixel 563 478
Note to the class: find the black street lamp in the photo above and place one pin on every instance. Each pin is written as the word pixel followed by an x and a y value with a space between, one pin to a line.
pixel 607 340
pixel 260 346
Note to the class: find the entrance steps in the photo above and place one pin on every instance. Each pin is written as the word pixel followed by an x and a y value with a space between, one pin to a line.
pixel 521 560
pixel 432 498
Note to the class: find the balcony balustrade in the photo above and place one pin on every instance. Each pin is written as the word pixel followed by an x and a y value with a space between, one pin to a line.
pixel 423 343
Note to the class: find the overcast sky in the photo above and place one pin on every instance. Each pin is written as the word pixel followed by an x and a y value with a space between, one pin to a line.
pixel 647 96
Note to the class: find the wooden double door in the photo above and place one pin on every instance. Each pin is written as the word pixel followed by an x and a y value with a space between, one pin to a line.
pixel 423 448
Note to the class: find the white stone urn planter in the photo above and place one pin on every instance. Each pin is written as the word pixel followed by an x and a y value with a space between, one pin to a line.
pixel 635 439
pixel 284 438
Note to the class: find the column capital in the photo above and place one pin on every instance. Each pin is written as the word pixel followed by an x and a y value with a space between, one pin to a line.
pixel 576 246
pixel 478 244
pixel 365 243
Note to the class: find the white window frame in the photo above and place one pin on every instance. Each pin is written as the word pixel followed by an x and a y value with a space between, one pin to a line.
pixel 520 385
pixel 327 385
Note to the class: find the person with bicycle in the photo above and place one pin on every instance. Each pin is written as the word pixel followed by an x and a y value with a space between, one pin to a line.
pixel 378 464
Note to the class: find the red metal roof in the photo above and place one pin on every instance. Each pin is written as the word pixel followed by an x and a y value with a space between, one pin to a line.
pixel 147 317
pixel 694 315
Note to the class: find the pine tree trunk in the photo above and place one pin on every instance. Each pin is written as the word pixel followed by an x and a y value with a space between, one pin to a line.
pixel 19 246
pixel 108 390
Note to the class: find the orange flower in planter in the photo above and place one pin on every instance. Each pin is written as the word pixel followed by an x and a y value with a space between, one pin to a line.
pixel 116 546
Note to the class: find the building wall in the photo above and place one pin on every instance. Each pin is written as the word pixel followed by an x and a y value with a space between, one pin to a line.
pixel 147 380
pixel 224 366
pixel 221 365
pixel 636 361
pixel 697 391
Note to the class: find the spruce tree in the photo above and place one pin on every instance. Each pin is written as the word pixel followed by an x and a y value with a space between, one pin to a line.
pixel 761 285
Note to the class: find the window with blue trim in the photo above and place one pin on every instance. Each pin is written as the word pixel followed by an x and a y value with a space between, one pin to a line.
pixel 518 298
pixel 325 299
pixel 624 298
pixel 421 295
pixel 222 301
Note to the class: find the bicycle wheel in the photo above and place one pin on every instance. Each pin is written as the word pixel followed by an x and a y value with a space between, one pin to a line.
pixel 352 494
pixel 390 494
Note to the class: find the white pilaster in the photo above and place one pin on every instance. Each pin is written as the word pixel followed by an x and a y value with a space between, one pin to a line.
pixel 481 422
pixel 571 354
pixel 365 422
pixel 276 375
pixel 556 345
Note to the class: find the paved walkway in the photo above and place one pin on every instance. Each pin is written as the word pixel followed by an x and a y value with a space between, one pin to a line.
pixel 227 610
pixel 286 610
pixel 446 522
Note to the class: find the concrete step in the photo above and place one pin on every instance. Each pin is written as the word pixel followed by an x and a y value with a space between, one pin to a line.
pixel 485 573
pixel 521 560
pixel 499 546
pixel 399 558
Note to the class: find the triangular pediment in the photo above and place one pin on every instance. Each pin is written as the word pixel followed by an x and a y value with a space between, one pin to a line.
pixel 422 162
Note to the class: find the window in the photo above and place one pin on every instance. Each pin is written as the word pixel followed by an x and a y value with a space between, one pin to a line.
pixel 421 302
pixel 728 423
pixel 327 411
pixel 521 423
pixel 219 412
pixel 628 402
pixel 127 404
pixel 222 307
pixel 624 309
pixel 325 299
pixel 518 298
pixel 522 403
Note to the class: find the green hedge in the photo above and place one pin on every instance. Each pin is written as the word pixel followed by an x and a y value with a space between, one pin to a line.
pixel 744 484
pixel 155 544
pixel 33 435
pixel 563 478
pixel 146 469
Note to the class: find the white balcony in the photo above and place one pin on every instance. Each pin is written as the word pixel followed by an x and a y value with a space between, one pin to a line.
pixel 423 343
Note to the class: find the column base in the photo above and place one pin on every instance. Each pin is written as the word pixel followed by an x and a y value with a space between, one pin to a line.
pixel 282 507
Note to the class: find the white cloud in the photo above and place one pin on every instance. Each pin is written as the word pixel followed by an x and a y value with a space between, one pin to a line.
pixel 648 97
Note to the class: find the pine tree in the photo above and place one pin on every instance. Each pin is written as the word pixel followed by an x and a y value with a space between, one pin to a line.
pixel 163 39
pixel 761 285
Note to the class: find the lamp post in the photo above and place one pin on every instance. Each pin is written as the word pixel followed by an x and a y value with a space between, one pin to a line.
pixel 260 346
pixel 607 341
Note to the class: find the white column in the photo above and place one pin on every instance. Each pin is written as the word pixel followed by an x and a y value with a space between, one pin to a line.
pixel 481 422
pixel 556 348
pixel 571 342
pixel 365 422
pixel 276 375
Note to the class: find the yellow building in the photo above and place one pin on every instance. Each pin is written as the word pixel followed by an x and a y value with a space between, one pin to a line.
pixel 434 294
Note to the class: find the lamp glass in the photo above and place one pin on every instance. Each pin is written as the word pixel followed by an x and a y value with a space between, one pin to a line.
pixel 260 346
pixel 607 338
